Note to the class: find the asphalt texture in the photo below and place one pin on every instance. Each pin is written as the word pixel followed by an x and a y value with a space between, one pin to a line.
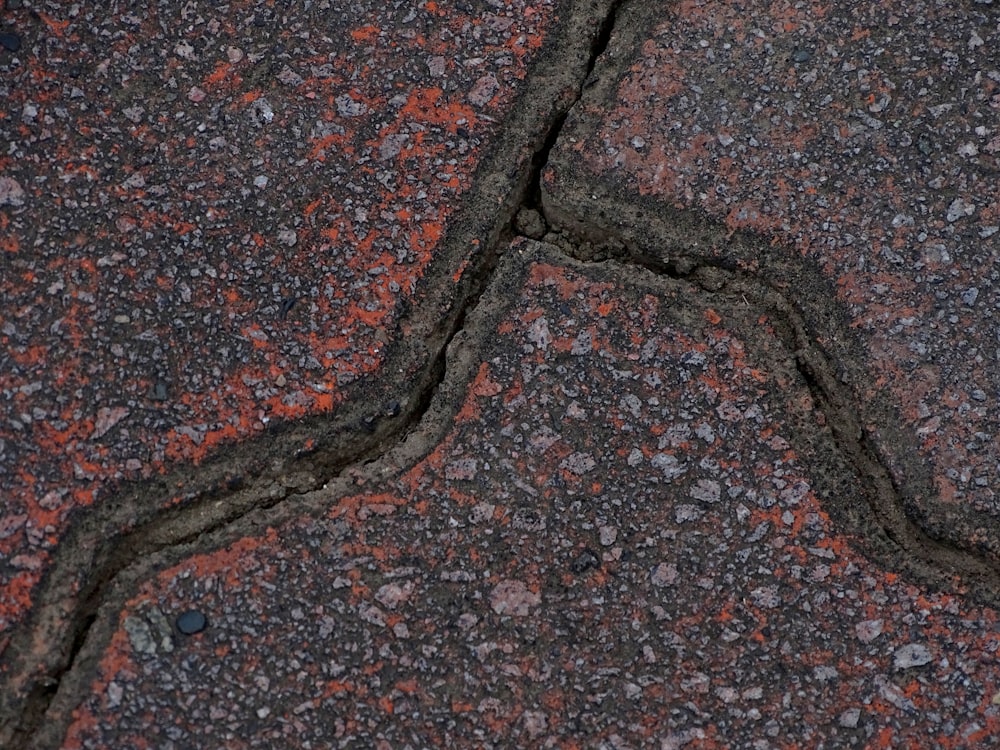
pixel 548 374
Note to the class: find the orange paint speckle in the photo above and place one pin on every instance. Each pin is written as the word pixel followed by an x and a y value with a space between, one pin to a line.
pixel 365 34
pixel 221 73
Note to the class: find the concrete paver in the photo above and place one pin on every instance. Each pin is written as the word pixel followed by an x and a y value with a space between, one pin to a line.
pixel 607 533
pixel 657 502
pixel 860 142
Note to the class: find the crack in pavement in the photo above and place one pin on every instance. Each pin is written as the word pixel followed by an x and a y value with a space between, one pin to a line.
pixel 115 545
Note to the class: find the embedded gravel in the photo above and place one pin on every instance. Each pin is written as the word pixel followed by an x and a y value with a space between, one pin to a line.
pixel 612 527
pixel 212 219
pixel 607 534
pixel 862 139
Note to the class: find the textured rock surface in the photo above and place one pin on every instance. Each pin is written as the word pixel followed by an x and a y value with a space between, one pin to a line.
pixel 612 537
pixel 656 501
pixel 861 139
pixel 214 218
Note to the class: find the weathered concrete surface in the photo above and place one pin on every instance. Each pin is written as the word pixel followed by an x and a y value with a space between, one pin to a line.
pixel 640 509
pixel 845 152
pixel 216 221
pixel 609 531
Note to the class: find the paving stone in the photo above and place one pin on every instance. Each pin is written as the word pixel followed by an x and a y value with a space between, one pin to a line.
pixel 591 413
pixel 858 142
pixel 213 219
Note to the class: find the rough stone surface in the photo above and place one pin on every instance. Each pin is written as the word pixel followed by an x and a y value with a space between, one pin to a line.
pixel 859 140
pixel 212 219
pixel 632 514
pixel 477 596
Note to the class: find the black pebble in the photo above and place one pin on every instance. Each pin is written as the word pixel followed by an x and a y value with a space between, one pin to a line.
pixel 191 622
pixel 160 390
pixel 584 562
pixel 286 307
pixel 10 41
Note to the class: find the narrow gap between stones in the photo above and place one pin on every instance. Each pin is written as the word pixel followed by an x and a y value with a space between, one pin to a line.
pixel 532 199
pixel 938 562
pixel 179 526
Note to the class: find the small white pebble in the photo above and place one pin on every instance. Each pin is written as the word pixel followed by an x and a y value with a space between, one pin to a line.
pixel 849 719
pixel 911 655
